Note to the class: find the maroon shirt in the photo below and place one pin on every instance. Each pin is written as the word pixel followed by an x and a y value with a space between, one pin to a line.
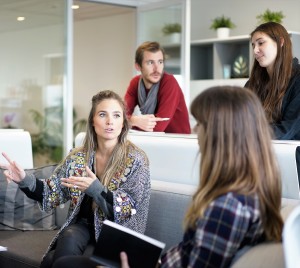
pixel 170 104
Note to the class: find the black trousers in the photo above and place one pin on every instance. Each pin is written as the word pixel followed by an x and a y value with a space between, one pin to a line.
pixel 74 262
pixel 72 241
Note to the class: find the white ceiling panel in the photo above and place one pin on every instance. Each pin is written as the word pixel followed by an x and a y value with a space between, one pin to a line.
pixel 50 12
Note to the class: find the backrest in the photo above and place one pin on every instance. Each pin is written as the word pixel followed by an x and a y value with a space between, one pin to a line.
pixel 175 158
pixel 17 144
pixel 168 204
pixel 286 156
pixel 291 239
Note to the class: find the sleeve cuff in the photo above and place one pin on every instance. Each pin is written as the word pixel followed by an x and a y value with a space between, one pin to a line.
pixel 28 182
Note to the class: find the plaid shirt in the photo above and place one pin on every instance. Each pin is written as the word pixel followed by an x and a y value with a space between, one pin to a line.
pixel 229 223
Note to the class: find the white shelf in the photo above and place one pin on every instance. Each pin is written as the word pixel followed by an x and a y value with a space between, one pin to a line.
pixel 209 56
pixel 197 86
pixel 221 40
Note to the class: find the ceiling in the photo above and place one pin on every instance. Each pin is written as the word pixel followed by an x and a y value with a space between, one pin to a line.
pixel 133 3
pixel 50 12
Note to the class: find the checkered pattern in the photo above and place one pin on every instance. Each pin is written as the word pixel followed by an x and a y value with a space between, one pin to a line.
pixel 229 223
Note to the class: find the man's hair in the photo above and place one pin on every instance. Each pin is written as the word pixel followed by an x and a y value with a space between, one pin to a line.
pixel 147 46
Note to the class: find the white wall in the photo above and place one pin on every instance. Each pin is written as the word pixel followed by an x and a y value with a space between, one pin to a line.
pixel 104 48
pixel 242 13
pixel 103 57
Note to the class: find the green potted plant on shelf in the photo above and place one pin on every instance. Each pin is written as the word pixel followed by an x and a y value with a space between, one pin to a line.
pixel 173 30
pixel 222 25
pixel 269 15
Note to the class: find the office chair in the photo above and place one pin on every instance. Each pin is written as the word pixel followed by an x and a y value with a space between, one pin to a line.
pixel 291 239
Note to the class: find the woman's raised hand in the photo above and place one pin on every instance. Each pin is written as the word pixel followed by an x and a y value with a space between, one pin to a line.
pixel 13 172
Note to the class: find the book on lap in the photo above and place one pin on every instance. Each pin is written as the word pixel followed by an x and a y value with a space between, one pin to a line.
pixel 142 251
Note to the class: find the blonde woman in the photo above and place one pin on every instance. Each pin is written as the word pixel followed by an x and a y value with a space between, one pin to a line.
pixel 107 178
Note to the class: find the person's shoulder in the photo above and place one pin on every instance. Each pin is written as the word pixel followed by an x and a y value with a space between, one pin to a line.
pixel 76 152
pixel 133 84
pixel 232 205
pixel 136 152
pixel 294 84
pixel 135 79
pixel 296 68
pixel 168 77
pixel 233 200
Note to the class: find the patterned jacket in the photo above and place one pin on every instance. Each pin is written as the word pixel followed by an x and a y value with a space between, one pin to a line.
pixel 130 188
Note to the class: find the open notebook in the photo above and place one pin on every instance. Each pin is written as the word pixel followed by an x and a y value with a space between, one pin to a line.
pixel 142 251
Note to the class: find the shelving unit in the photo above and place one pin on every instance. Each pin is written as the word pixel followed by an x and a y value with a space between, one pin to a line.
pixel 208 56
pixel 173 56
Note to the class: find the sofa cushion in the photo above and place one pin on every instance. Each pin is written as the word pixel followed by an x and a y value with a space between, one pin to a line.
pixel 17 211
pixel 264 255
pixel 287 206
pixel 25 249
pixel 168 204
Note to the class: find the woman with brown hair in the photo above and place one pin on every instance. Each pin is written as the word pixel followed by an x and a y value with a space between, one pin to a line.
pixel 238 200
pixel 275 78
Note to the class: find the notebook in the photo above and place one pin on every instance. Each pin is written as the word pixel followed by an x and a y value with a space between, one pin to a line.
pixel 142 251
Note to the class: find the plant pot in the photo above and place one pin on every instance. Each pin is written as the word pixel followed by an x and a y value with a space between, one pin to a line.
pixel 174 38
pixel 223 32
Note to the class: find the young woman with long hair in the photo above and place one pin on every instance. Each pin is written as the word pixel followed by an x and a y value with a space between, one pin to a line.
pixel 106 178
pixel 275 78
pixel 238 200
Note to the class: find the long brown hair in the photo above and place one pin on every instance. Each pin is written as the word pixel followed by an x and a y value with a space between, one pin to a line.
pixel 271 90
pixel 237 154
pixel 90 144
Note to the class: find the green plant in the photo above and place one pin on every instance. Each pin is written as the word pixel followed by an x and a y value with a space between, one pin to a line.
pixel 269 15
pixel 48 140
pixel 222 21
pixel 171 28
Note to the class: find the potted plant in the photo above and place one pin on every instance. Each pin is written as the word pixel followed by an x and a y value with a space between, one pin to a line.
pixel 222 25
pixel 47 141
pixel 173 30
pixel 269 15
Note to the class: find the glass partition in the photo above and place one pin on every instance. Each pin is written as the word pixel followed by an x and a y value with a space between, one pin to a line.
pixel 32 67
pixel 168 22
pixel 164 26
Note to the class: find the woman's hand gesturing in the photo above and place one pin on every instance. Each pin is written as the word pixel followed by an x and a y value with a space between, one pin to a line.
pixel 13 171
pixel 80 183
